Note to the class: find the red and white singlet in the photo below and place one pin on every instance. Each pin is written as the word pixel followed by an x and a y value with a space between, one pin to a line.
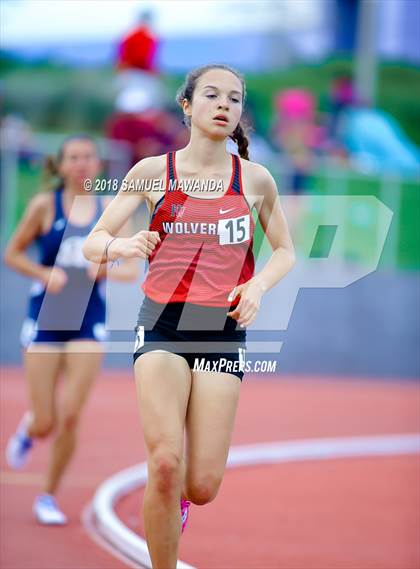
pixel 206 244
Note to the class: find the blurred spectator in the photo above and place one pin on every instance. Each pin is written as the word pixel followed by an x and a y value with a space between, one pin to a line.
pixel 16 134
pixel 342 96
pixel 138 49
pixel 297 134
pixel 147 129
pixel 137 59
pixel 376 143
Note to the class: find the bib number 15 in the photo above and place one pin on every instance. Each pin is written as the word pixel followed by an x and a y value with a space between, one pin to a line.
pixel 233 230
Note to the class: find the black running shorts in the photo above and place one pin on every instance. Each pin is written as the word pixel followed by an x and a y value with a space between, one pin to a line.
pixel 205 336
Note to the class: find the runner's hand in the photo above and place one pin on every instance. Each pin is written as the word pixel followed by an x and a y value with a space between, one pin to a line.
pixel 250 294
pixel 55 279
pixel 142 245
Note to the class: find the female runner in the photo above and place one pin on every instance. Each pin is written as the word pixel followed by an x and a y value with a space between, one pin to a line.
pixel 200 295
pixel 66 319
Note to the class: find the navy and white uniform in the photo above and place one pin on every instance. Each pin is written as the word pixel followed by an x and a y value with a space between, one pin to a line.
pixel 78 310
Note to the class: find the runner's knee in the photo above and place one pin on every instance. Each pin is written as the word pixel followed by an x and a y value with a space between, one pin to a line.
pixel 68 422
pixel 41 427
pixel 202 489
pixel 165 468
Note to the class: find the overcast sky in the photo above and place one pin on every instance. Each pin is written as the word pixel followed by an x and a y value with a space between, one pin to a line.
pixel 43 21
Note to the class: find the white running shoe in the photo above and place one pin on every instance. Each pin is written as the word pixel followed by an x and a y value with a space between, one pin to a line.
pixel 19 445
pixel 47 512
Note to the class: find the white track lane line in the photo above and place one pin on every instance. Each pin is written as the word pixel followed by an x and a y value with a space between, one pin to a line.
pixel 88 521
pixel 127 545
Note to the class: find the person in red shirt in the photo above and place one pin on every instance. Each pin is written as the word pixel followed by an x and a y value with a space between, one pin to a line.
pixel 145 127
pixel 138 49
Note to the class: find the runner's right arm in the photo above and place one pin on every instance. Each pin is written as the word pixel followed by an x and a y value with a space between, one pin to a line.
pixel 29 228
pixel 98 246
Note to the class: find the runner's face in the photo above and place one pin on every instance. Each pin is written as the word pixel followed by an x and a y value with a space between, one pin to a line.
pixel 217 92
pixel 79 161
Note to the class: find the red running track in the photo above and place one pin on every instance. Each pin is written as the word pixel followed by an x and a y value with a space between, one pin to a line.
pixel 358 513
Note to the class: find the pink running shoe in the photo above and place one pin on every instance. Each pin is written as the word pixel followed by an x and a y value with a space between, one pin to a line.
pixel 185 504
